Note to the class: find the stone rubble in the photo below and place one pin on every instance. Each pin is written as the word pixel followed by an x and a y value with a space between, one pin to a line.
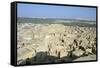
pixel 56 40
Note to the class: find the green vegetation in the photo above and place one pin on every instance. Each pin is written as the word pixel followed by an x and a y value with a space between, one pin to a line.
pixel 68 22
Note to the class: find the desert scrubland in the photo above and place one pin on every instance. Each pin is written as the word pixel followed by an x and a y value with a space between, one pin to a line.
pixel 54 43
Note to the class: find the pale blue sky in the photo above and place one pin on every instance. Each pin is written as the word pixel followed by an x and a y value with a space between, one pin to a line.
pixel 49 11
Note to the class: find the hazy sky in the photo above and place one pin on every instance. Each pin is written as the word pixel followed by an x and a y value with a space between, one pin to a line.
pixel 49 11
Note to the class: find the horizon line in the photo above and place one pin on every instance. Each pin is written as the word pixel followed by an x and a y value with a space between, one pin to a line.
pixel 58 18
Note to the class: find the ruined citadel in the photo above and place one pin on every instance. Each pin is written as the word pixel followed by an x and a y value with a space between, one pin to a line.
pixel 65 43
